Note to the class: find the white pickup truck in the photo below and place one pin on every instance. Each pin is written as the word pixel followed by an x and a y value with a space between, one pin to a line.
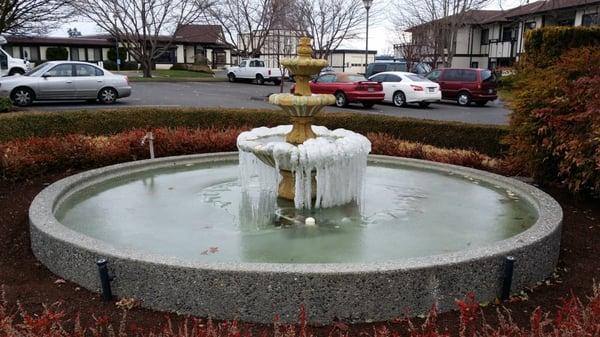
pixel 9 65
pixel 254 69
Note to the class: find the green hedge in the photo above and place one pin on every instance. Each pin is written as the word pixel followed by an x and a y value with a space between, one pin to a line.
pixel 57 54
pixel 482 138
pixel 6 104
pixel 545 45
pixel 112 54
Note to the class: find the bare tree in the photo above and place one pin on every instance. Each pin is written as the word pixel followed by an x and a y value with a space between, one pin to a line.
pixel 73 32
pixel 32 16
pixel 147 27
pixel 331 22
pixel 434 24
pixel 412 53
pixel 247 23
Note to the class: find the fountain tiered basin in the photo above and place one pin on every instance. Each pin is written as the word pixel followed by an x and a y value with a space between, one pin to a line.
pixel 311 165
pixel 324 171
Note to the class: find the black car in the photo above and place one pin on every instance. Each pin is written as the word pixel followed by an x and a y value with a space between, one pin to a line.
pixel 379 67
pixel 420 68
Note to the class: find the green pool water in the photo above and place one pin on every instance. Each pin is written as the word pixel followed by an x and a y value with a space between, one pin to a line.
pixel 200 213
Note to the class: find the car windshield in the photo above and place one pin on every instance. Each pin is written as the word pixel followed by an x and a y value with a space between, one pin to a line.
pixel 417 78
pixel 38 70
pixel 488 75
pixel 347 78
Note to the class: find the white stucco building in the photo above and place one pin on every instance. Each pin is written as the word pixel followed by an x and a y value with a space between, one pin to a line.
pixel 206 40
pixel 490 39
pixel 282 43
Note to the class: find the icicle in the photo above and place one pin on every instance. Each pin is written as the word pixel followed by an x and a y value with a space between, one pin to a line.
pixel 337 159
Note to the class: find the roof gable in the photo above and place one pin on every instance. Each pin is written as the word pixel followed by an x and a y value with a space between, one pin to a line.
pixel 200 34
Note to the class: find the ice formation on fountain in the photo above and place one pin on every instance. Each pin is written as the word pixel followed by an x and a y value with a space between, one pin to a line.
pixel 337 159
pixel 301 161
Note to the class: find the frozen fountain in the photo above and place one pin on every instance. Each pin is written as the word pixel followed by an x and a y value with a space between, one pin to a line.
pixel 305 163
pixel 233 235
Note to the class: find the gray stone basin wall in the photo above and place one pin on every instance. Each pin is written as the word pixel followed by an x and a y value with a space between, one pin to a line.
pixel 257 292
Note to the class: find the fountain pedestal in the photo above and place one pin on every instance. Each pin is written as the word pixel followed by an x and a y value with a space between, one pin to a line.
pixel 301 131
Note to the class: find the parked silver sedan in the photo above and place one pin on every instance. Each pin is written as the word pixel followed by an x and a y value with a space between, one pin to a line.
pixel 65 80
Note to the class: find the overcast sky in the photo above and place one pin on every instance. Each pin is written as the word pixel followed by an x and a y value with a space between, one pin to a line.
pixel 381 34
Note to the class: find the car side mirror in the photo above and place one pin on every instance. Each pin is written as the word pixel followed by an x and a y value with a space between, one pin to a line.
pixel 45 76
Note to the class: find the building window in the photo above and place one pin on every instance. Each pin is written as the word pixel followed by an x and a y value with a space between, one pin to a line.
pixel 590 20
pixel 474 64
pixel 566 22
pixel 530 25
pixel 507 34
pixel 199 50
pixel 485 36
pixel 166 56
pixel 74 54
pixel 33 54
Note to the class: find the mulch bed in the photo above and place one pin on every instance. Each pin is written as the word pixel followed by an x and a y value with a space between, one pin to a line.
pixel 27 281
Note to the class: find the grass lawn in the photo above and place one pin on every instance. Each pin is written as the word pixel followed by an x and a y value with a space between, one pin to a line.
pixel 179 74
pixel 166 75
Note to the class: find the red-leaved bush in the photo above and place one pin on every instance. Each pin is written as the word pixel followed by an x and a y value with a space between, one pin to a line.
pixel 572 318
pixel 384 144
pixel 33 157
pixel 555 125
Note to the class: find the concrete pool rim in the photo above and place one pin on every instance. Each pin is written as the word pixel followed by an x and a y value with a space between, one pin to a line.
pixel 72 255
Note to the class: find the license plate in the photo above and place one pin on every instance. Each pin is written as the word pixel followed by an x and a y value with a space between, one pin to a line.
pixel 491 91
pixel 371 89
pixel 431 89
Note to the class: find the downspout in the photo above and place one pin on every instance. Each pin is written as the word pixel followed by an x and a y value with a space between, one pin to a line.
pixel 471 47
pixel 520 46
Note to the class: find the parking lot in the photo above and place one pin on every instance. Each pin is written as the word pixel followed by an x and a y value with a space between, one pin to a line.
pixel 247 95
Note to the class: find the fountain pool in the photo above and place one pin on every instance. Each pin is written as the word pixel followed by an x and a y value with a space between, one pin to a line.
pixel 184 212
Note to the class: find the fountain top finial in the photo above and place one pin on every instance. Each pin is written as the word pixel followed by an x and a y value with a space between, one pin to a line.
pixel 304 65
pixel 305 48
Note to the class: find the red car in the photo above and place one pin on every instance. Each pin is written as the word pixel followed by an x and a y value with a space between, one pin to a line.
pixel 348 88
pixel 466 85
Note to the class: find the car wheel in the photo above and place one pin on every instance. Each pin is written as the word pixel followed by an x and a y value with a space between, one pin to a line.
pixel 260 80
pixel 368 105
pixel 481 103
pixel 22 96
pixel 463 98
pixel 231 78
pixel 341 100
pixel 424 104
pixel 16 71
pixel 107 96
pixel 399 99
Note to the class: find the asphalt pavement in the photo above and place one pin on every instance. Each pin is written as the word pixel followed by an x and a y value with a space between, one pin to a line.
pixel 248 95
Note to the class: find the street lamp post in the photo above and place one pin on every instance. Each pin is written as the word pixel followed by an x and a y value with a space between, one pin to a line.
pixel 367 4
pixel 117 58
